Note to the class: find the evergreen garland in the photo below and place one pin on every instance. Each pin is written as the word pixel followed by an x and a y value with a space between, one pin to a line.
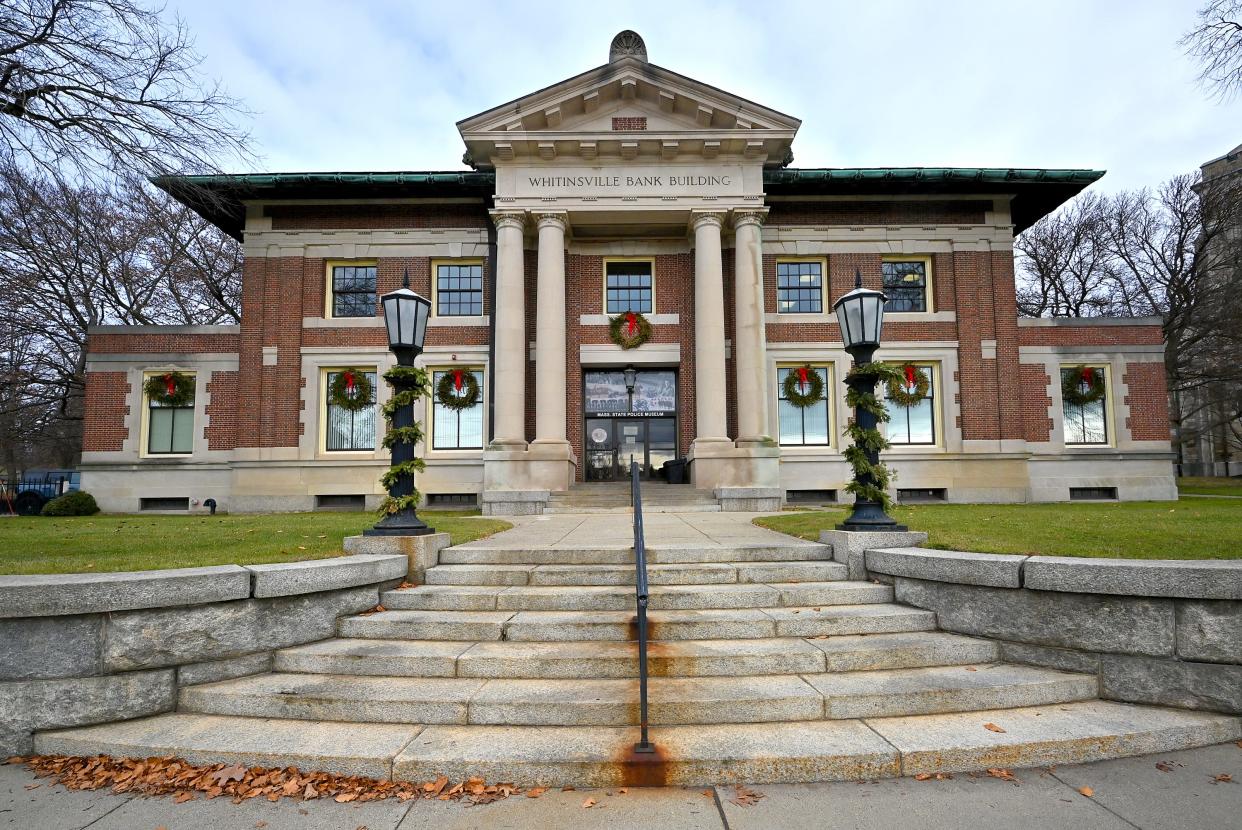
pixel 416 380
pixel 871 439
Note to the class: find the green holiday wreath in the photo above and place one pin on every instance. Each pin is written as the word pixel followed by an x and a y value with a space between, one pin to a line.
pixel 803 387
pixel 1082 385
pixel 629 330
pixel 351 390
pixel 458 389
pixel 910 387
pixel 170 389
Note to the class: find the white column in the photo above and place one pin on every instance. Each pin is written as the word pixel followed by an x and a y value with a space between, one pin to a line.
pixel 750 340
pixel 709 339
pixel 510 310
pixel 550 332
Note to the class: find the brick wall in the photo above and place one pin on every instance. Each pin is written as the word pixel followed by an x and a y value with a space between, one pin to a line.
pixel 1148 335
pixel 142 343
pixel 221 409
pixel 103 416
pixel 376 217
pixel 1033 385
pixel 948 212
pixel 1148 398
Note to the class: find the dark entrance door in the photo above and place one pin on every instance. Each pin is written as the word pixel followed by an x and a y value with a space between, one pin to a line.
pixel 623 422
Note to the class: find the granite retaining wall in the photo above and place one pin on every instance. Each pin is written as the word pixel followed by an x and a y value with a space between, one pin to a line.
pixel 1165 632
pixel 79 649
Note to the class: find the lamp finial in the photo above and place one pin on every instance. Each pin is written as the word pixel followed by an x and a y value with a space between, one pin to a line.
pixel 857 278
pixel 405 280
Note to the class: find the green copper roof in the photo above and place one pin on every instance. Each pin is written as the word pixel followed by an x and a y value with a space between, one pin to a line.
pixel 1035 192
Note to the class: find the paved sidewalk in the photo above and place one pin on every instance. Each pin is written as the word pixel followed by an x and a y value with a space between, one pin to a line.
pixel 1128 793
pixel 576 530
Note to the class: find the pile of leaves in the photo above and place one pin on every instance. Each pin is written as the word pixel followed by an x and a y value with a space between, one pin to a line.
pixel 186 782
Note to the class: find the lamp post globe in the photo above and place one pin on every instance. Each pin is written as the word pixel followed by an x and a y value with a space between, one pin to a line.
pixel 860 314
pixel 405 318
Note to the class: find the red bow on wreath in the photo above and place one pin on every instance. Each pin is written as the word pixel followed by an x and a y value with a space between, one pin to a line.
pixel 910 376
pixel 350 386
pixel 1088 375
pixel 631 324
pixel 170 385
pixel 802 380
pixel 457 380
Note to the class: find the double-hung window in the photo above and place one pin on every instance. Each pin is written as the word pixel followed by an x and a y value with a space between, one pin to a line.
pixel 457 429
pixel 915 424
pixel 353 290
pixel 459 289
pixel 170 429
pixel 347 429
pixel 803 426
pixel 629 285
pixel 906 284
pixel 799 287
pixel 1086 421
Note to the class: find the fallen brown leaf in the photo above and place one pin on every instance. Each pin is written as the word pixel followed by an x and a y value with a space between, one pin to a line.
pixel 234 773
pixel 17 759
pixel 589 803
pixel 745 797
pixel 1164 766
pixel 922 776
pixel 1223 778
pixel 1001 773
pixel 345 798
pixel 1087 791
pixel 536 792
pixel 623 790
pixel 991 727
pixel 971 668
pixel 183 797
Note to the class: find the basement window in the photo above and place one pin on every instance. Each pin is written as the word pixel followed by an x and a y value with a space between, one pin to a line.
pixel 810 496
pixel 922 495
pixel 347 502
pixel 164 503
pixel 1093 493
pixel 453 501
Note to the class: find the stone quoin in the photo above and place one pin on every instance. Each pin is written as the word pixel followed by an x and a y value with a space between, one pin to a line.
pixel 627 189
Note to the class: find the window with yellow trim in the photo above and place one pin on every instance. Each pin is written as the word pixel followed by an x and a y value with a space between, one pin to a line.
pixel 1085 423
pixel 799 287
pixel 459 289
pixel 915 424
pixel 629 285
pixel 170 429
pixel 906 284
pixel 808 426
pixel 353 290
pixel 452 428
pixel 348 430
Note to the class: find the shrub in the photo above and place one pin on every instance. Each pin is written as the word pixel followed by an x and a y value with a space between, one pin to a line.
pixel 77 503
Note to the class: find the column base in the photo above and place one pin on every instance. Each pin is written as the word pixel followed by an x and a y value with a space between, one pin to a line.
pixel 743 478
pixel 517 482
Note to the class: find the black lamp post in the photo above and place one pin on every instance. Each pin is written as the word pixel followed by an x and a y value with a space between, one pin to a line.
pixel 405 317
pixel 860 314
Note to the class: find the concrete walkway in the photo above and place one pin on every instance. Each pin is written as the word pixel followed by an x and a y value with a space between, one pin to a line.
pixel 1128 793
pixel 609 529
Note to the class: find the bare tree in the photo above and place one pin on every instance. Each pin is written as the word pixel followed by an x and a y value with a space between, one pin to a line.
pixel 1216 43
pixel 1065 258
pixel 96 85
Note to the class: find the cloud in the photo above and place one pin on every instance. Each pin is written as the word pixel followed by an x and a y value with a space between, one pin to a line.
pixel 380 85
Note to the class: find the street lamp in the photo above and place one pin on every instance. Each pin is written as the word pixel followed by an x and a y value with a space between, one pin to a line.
pixel 405 318
pixel 631 377
pixel 860 314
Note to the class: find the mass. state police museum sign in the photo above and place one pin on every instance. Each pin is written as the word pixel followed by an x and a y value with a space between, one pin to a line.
pixel 669 180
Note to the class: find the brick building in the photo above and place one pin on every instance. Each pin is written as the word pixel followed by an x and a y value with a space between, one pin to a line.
pixel 627 188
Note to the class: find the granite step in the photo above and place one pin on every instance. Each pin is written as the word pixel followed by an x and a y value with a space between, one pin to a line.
pixel 609 659
pixel 699 755
pixel 621 598
pixel 491 554
pixel 702 573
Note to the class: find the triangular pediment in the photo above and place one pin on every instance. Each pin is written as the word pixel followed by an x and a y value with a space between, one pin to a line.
pixel 628 106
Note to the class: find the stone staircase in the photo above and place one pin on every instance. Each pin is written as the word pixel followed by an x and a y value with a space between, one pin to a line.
pixel 519 664
pixel 614 497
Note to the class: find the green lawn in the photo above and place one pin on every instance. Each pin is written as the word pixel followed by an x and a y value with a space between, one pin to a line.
pixel 1210 486
pixel 92 544
pixel 1187 529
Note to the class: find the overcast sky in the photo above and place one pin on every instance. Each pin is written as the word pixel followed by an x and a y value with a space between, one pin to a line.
pixel 370 85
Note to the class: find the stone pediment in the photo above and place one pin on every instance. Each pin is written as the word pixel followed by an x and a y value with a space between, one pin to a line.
pixel 628 109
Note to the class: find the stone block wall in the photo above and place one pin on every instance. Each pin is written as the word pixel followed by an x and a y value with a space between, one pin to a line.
pixel 80 649
pixel 1154 632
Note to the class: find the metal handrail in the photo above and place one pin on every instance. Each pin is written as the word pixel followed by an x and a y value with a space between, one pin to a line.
pixel 640 595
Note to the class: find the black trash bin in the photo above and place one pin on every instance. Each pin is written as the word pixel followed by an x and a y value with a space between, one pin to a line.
pixel 674 471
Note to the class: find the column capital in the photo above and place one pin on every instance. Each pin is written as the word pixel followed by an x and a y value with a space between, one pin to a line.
pixel 509 219
pixel 552 218
pixel 749 216
pixel 699 218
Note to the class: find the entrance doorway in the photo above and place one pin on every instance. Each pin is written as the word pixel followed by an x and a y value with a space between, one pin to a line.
pixel 629 413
